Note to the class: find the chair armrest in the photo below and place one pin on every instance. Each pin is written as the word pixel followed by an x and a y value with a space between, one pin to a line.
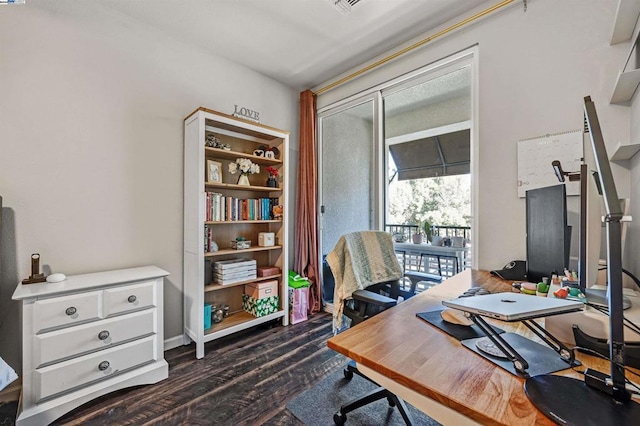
pixel 370 297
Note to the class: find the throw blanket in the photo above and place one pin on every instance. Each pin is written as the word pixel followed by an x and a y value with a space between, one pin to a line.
pixel 360 259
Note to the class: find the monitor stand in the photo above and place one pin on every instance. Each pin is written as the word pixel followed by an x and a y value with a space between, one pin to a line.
pixel 571 401
pixel 599 297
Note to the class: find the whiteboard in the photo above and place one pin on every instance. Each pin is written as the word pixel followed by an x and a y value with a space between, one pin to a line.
pixel 536 154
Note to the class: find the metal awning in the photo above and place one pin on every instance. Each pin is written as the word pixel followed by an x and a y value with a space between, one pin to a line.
pixel 446 154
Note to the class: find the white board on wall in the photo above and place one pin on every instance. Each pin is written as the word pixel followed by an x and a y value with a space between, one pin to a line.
pixel 536 154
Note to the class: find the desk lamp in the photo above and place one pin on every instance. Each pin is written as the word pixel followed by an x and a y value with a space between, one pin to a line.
pixel 600 398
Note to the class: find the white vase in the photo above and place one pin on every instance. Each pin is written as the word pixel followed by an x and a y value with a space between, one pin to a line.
pixel 244 180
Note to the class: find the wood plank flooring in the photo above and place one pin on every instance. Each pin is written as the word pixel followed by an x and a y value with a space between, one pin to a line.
pixel 244 379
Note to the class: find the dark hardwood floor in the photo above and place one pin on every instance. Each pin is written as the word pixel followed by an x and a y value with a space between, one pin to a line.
pixel 244 379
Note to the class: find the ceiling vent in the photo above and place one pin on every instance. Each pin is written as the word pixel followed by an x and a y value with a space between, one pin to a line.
pixel 344 6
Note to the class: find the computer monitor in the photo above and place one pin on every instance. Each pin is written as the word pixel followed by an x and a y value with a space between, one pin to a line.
pixel 548 235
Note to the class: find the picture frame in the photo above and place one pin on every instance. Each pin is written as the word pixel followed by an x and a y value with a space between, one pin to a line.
pixel 214 171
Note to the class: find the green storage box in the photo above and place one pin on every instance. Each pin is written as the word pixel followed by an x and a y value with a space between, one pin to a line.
pixel 260 307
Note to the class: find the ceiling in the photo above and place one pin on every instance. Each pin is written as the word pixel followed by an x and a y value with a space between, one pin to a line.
pixel 300 43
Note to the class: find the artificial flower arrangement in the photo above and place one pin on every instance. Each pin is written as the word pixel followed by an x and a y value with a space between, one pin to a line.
pixel 244 166
pixel 272 180
pixel 273 172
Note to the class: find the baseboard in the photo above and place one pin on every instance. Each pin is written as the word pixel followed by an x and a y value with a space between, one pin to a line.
pixel 173 342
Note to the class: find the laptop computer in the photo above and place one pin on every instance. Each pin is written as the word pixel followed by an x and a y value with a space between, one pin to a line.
pixel 513 306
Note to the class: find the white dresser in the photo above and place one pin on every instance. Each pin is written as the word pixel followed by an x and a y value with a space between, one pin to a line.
pixel 87 336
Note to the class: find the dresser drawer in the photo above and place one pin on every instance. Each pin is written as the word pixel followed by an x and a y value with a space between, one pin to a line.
pixel 128 298
pixel 69 342
pixel 66 310
pixel 61 377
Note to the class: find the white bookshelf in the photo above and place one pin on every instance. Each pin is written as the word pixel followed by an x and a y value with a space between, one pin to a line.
pixel 243 137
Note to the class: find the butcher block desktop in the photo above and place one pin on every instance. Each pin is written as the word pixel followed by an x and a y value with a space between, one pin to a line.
pixel 434 371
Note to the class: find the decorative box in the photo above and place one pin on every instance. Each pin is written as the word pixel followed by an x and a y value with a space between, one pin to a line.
pixel 267 271
pixel 266 239
pixel 240 245
pixel 260 307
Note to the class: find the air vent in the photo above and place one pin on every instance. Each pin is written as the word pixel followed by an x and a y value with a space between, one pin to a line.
pixel 344 6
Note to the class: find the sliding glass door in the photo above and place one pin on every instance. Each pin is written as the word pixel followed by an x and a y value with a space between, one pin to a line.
pixel 400 154
pixel 348 174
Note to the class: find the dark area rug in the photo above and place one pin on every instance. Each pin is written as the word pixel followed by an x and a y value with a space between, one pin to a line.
pixel 317 405
pixel 8 412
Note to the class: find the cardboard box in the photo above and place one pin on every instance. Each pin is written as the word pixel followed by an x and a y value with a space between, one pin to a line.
pixel 260 307
pixel 262 289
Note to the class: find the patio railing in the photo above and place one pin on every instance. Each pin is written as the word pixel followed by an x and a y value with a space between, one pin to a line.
pixel 442 230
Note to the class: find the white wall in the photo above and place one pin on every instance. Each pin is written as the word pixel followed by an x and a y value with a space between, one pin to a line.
pixel 91 137
pixel 632 251
pixel 534 70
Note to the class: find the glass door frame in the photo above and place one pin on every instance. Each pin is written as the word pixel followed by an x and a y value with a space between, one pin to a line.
pixel 377 161
pixel 434 70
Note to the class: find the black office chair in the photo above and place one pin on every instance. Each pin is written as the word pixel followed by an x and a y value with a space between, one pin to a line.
pixel 365 303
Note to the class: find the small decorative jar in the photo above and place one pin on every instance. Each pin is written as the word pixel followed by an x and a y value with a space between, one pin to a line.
pixel 217 313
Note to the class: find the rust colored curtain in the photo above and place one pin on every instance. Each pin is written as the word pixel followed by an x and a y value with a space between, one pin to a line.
pixel 306 231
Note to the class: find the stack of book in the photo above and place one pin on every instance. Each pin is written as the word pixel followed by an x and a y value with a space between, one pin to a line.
pixel 234 270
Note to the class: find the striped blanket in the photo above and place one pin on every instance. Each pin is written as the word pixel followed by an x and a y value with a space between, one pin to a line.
pixel 359 260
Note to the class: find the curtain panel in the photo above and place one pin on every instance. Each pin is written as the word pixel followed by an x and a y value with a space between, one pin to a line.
pixel 306 230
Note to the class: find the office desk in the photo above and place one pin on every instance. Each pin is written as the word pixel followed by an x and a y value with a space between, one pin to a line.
pixel 459 253
pixel 434 372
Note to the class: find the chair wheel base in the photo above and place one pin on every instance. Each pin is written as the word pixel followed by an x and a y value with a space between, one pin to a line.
pixel 339 419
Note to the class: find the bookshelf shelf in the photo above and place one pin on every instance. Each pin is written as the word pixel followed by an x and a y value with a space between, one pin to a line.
pixel 236 222
pixel 232 155
pixel 240 211
pixel 242 187
pixel 214 286
pixel 238 321
pixel 227 251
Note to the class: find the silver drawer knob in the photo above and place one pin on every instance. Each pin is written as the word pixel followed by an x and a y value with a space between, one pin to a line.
pixel 103 365
pixel 71 311
pixel 103 335
pixel 132 298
